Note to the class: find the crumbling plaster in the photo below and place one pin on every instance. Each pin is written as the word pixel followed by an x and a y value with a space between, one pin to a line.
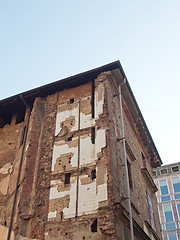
pixel 74 116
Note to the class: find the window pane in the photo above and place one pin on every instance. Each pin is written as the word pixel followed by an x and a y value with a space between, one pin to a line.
pixel 163 171
pixel 172 236
pixel 168 213
pixel 165 198
pixel 163 187
pixel 167 208
pixel 170 226
pixel 178 208
pixel 175 169
pixel 176 184
pixel 169 217
pixel 163 182
pixel 177 196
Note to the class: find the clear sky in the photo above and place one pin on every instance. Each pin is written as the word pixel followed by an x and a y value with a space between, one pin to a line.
pixel 42 41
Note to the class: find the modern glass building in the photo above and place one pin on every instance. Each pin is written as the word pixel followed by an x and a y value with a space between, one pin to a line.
pixel 167 179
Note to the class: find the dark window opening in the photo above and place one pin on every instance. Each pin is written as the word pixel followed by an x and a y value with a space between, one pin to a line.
pixel 93 99
pixel 93 135
pixel 6 120
pixel 69 139
pixel 164 171
pixel 2 123
pixel 129 174
pixel 154 173
pixel 175 169
pixel 143 157
pixel 93 174
pixel 20 117
pixel 61 215
pixel 67 178
pixel 71 100
pixel 94 226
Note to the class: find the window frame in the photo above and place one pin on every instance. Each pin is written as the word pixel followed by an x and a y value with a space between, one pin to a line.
pixel 165 222
pixel 174 167
pixel 178 212
pixel 171 233
pixel 160 171
pixel 160 186
pixel 173 185
pixel 165 195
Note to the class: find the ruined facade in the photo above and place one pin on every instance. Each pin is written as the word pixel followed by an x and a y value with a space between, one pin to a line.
pixel 62 173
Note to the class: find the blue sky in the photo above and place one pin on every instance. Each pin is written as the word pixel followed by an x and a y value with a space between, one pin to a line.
pixel 43 41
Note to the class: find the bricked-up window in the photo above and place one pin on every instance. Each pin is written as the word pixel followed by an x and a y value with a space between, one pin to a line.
pixel 94 225
pixel 151 212
pixel 93 135
pixel 93 174
pixel 130 174
pixel 67 178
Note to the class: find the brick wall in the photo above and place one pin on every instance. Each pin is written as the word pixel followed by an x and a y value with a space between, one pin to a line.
pixel 72 183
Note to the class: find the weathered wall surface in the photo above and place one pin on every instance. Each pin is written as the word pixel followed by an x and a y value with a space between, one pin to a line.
pixel 78 187
pixel 72 176
pixel 138 159
pixel 10 151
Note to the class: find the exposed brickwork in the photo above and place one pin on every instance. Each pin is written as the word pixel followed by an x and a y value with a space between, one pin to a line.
pixel 9 161
pixel 72 183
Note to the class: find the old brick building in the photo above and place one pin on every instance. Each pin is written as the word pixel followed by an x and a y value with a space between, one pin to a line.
pixel 62 168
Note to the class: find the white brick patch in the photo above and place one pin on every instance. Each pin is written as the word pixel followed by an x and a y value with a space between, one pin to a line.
pixel 89 151
pixel 87 198
pixel 71 210
pixel 52 214
pixel 62 149
pixel 54 193
pixel 62 116
pixel 86 120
